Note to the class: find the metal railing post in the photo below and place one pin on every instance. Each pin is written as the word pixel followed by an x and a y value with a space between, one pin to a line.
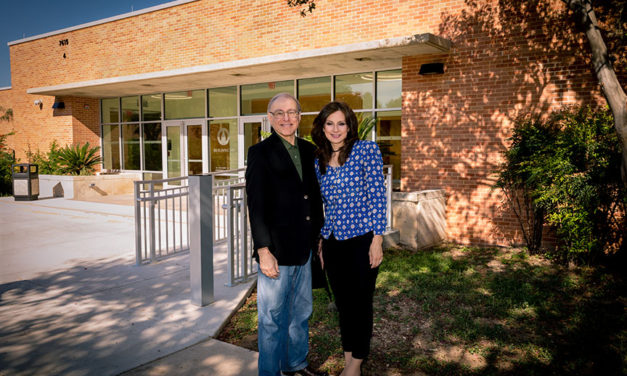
pixel 151 223
pixel 138 225
pixel 200 217
pixel 230 227
pixel 388 196
pixel 243 235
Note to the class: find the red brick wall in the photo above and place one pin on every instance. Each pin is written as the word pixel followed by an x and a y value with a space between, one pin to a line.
pixel 196 33
pixel 206 32
pixel 35 126
pixel 505 61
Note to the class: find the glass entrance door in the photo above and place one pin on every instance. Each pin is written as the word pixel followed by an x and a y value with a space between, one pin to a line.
pixel 194 148
pixel 173 152
pixel 252 129
pixel 184 151
pixel 223 145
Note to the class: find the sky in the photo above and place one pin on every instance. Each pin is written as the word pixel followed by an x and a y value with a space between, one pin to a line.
pixel 26 18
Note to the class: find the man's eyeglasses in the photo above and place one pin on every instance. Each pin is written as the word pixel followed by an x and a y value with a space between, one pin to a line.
pixel 281 114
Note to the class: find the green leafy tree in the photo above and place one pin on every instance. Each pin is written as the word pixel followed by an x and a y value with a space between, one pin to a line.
pixel 307 6
pixel 614 13
pixel 565 172
pixel 521 178
pixel 78 160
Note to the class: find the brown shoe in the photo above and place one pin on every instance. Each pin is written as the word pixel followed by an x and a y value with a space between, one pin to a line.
pixel 307 371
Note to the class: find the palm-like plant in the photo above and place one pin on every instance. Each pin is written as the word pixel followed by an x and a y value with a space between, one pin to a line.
pixel 77 160
pixel 366 123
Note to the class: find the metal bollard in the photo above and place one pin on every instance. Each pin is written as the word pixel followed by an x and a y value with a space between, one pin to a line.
pixel 200 211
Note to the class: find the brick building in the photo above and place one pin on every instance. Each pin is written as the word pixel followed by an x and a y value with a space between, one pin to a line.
pixel 182 87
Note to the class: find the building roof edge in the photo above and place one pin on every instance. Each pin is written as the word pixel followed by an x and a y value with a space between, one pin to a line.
pixel 103 21
pixel 402 45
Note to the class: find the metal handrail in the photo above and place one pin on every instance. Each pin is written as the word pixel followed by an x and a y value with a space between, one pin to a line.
pixel 155 225
pixel 387 173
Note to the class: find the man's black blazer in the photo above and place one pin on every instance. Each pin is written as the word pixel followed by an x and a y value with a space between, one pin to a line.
pixel 285 213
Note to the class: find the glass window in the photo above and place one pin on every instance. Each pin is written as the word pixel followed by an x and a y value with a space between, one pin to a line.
pixel 152 176
pixel 111 146
pixel 305 127
pixel 253 134
pixel 223 144
pixel 130 109
pixel 389 140
pixel 255 98
pixel 151 107
pixel 185 104
pixel 314 93
pixel 357 90
pixel 389 89
pixel 130 142
pixel 152 147
pixel 110 110
pixel 223 102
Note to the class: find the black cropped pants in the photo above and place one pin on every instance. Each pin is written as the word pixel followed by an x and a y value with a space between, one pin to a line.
pixel 353 281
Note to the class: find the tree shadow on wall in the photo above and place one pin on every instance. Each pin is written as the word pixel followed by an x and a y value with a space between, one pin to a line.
pixel 508 58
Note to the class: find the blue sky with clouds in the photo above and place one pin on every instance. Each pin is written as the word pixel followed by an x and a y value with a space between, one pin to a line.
pixel 27 18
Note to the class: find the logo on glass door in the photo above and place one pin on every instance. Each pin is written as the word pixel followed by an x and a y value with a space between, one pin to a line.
pixel 223 136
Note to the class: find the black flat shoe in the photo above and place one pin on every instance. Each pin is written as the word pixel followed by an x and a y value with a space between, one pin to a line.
pixel 307 371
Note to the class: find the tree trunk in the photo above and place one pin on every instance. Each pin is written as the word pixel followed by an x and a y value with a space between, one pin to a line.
pixel 613 92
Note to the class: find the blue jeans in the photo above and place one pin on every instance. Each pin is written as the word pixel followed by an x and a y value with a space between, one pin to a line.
pixel 284 306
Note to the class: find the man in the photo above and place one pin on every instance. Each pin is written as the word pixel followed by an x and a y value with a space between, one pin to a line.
pixel 285 210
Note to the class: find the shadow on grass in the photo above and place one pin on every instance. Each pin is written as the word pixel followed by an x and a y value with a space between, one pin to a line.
pixel 487 311
pixel 471 311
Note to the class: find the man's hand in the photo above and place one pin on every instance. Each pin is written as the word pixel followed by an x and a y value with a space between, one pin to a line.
pixel 267 263
pixel 376 251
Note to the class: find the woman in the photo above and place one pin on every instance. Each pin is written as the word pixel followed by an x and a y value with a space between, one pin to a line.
pixel 350 173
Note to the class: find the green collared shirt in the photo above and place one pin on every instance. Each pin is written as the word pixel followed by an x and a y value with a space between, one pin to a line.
pixel 294 154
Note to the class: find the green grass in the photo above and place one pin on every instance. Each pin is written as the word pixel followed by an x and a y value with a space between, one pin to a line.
pixel 475 311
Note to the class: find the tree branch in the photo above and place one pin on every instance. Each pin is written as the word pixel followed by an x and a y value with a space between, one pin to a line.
pixel 611 88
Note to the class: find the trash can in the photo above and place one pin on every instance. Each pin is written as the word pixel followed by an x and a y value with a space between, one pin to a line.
pixel 25 181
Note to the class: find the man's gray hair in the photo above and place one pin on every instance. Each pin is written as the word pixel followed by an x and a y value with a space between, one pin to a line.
pixel 283 95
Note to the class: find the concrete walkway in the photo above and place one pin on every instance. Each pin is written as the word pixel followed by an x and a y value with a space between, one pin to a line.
pixel 73 303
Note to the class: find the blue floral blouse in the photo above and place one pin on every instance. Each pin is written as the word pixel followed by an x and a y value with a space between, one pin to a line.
pixel 354 194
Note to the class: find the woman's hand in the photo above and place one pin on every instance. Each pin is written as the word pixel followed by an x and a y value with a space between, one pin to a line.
pixel 320 253
pixel 376 251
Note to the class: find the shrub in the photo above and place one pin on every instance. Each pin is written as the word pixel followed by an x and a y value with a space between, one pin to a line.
pixel 49 163
pixel 6 160
pixel 78 160
pixel 67 160
pixel 566 172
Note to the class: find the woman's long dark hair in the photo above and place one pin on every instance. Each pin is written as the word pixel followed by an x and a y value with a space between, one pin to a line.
pixel 325 151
